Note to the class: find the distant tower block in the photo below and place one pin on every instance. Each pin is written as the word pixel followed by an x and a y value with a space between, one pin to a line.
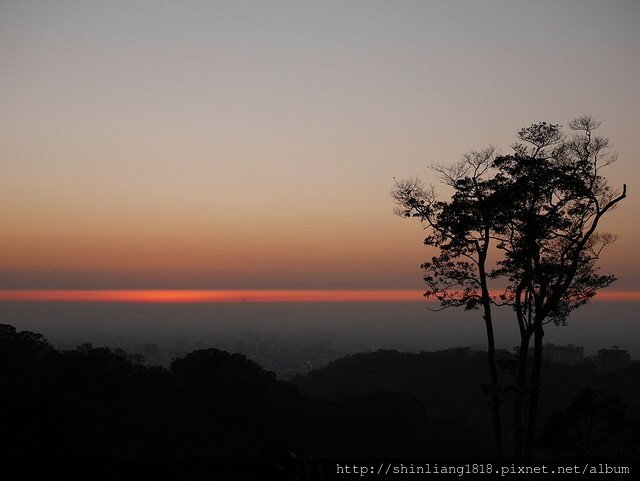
pixel 568 355
pixel 611 360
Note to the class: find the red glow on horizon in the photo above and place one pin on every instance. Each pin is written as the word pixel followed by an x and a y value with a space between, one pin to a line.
pixel 210 296
pixel 215 296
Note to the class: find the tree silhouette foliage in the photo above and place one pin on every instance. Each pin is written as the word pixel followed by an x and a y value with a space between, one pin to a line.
pixel 537 212
pixel 461 229
pixel 594 425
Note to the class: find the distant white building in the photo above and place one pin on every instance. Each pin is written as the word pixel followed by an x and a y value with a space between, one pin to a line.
pixel 611 360
pixel 568 355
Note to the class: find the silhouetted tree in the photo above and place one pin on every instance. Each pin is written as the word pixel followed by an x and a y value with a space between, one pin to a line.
pixel 537 210
pixel 554 197
pixel 461 229
pixel 240 409
pixel 593 425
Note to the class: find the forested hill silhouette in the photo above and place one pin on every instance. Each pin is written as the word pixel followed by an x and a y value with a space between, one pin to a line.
pixel 445 380
pixel 584 413
pixel 93 403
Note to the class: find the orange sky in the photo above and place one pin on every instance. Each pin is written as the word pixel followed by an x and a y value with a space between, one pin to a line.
pixel 253 145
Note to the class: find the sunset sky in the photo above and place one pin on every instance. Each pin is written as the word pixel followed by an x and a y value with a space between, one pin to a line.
pixel 252 145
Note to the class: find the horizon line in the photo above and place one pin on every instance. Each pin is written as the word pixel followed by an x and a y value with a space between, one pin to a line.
pixel 206 296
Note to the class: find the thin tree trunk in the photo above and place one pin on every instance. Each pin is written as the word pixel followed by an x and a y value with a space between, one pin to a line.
pixel 495 398
pixel 519 414
pixel 535 390
pixel 491 357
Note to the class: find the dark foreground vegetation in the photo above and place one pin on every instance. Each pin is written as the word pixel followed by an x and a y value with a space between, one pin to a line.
pixel 101 403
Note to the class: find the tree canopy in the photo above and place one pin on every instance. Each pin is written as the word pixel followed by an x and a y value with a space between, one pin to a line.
pixel 535 212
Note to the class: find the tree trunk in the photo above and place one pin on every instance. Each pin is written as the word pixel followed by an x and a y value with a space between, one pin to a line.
pixel 519 413
pixel 535 390
pixel 491 355
pixel 495 398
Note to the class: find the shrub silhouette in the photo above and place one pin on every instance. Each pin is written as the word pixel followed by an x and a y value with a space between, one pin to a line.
pixel 595 424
